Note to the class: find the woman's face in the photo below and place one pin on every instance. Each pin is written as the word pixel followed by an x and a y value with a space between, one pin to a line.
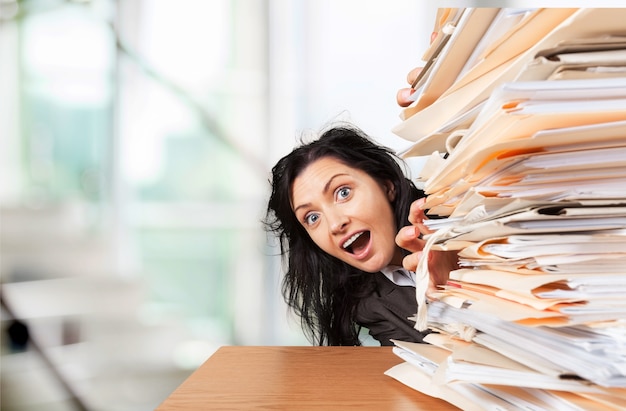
pixel 347 213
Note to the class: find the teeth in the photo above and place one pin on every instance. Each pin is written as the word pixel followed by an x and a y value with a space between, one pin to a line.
pixel 351 240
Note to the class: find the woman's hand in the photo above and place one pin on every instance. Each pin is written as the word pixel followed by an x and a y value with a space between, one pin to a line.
pixel 440 263
pixel 403 97
pixel 404 94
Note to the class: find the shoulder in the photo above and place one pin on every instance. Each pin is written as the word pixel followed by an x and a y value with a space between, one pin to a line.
pixel 386 312
pixel 387 298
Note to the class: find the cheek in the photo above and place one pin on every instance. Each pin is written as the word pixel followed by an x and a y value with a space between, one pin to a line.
pixel 385 216
pixel 390 228
pixel 320 240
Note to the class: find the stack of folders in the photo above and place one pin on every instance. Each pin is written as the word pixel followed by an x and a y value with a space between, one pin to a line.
pixel 526 146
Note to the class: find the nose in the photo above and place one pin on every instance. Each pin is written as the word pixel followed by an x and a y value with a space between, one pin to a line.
pixel 337 222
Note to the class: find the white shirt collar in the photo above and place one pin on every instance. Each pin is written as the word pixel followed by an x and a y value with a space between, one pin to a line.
pixel 399 275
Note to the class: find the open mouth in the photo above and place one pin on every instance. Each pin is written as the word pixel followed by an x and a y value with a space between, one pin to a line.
pixel 357 242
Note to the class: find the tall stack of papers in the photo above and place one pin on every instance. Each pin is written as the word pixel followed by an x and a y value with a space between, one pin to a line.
pixel 527 162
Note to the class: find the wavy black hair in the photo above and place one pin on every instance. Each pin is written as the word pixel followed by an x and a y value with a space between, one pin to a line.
pixel 323 290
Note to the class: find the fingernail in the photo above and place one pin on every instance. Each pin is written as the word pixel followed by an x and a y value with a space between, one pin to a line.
pixel 410 232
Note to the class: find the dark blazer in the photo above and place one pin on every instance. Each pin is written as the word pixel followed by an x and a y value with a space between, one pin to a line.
pixel 385 312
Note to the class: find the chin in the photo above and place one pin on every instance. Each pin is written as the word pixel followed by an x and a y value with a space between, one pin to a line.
pixel 373 268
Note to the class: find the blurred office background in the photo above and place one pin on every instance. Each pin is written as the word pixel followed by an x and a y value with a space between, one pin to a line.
pixel 136 139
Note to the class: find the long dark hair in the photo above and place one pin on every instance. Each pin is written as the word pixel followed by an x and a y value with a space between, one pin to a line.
pixel 323 290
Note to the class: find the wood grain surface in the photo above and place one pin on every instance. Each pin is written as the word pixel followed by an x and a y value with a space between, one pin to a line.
pixel 298 378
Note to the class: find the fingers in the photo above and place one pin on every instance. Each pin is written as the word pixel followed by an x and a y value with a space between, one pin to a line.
pixel 410 78
pixel 440 264
pixel 403 97
pixel 409 238
pixel 411 261
pixel 417 215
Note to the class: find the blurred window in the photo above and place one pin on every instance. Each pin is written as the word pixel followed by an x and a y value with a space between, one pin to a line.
pixel 162 119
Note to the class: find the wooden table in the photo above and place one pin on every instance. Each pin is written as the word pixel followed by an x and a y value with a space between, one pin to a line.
pixel 298 378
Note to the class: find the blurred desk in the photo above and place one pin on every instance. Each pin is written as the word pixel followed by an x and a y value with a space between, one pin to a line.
pixel 298 378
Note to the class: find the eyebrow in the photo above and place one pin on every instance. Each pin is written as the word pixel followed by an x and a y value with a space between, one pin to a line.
pixel 324 190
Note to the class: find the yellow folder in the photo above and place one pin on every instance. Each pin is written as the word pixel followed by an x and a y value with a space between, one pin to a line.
pixel 504 64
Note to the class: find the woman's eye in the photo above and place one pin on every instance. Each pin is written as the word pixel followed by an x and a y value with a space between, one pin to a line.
pixel 311 219
pixel 343 193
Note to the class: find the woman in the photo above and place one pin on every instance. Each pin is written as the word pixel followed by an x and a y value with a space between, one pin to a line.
pixel 336 205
